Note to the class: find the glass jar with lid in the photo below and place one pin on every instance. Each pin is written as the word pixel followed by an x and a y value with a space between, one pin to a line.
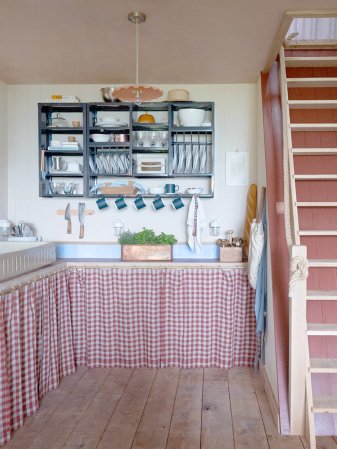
pixel 5 228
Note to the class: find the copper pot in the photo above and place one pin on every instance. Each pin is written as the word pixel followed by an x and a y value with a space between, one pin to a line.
pixel 120 138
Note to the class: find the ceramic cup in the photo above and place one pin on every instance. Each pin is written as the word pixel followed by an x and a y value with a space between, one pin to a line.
pixel 158 203
pixel 139 202
pixel 76 123
pixel 120 203
pixel 71 139
pixel 171 188
pixel 177 203
pixel 102 203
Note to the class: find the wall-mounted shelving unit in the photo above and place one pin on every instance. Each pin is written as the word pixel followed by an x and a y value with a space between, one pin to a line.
pixel 147 152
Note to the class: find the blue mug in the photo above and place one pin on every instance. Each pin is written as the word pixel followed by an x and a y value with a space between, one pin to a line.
pixel 139 202
pixel 177 203
pixel 102 203
pixel 171 188
pixel 120 203
pixel 158 203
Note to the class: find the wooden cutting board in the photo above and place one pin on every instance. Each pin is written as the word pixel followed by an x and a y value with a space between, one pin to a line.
pixel 250 215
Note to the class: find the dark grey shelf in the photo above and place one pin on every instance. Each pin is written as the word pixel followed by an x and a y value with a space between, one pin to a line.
pixel 149 150
pixel 112 175
pixel 109 129
pixel 64 175
pixel 196 129
pixel 192 175
pixel 150 127
pixel 59 130
pixel 148 195
pixel 65 152
pixel 61 195
pixel 113 145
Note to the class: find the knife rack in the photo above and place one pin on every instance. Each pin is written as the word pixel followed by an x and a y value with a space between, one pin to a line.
pixel 74 212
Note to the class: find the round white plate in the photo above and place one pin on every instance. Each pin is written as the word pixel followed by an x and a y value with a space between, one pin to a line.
pixel 181 159
pixel 203 158
pixel 111 125
pixel 188 159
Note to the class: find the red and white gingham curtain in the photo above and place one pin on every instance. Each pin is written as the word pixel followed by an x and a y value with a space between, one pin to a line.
pixel 118 318
pixel 159 318
pixel 35 347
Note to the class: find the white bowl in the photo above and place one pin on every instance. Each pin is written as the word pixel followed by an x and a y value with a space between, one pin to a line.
pixel 156 190
pixel 191 117
pixel 194 190
pixel 100 137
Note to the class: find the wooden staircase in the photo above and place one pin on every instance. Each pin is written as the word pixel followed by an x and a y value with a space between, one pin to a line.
pixel 311 91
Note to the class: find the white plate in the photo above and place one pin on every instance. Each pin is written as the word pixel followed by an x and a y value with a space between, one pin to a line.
pixel 203 159
pixel 92 165
pixel 181 159
pixel 64 172
pixel 188 159
pixel 111 125
pixel 194 190
pixel 99 164
pixel 195 157
pixel 120 164
pixel 174 160
pixel 115 163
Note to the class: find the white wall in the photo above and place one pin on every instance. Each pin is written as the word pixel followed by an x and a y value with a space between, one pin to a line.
pixel 270 353
pixel 3 151
pixel 235 129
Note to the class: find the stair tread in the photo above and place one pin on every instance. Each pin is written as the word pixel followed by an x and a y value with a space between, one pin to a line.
pixel 322 294
pixel 314 151
pixel 324 404
pixel 313 126
pixel 316 203
pixel 310 61
pixel 312 104
pixel 323 365
pixel 322 263
pixel 316 176
pixel 321 329
pixel 312 82
pixel 317 232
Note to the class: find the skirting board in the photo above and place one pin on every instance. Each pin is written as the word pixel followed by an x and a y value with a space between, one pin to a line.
pixel 274 407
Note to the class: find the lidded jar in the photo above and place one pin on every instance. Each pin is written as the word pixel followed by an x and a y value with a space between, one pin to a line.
pixel 5 228
pixel 215 227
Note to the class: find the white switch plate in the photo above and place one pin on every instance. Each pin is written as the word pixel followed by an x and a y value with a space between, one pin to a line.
pixel 280 208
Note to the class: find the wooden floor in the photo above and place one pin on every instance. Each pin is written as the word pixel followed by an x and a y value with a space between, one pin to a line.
pixel 156 409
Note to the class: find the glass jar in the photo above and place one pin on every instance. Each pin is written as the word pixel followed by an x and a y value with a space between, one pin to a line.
pixel 5 228
pixel 215 227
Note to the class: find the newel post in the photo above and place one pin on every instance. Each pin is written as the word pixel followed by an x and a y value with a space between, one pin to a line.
pixel 298 341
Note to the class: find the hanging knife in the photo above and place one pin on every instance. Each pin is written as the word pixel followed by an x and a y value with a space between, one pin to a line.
pixel 67 216
pixel 81 209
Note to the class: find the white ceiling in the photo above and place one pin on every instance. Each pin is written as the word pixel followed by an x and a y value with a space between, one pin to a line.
pixel 182 41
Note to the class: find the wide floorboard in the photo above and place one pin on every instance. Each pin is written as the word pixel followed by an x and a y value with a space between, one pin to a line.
pixel 157 409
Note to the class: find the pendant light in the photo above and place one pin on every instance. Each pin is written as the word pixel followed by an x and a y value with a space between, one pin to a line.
pixel 137 93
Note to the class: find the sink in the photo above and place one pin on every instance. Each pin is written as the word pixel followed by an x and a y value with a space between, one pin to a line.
pixel 17 258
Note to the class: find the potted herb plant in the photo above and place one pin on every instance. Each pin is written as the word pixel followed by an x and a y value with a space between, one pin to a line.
pixel 146 245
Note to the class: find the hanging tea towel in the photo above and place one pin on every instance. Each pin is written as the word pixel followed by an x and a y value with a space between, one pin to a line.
pixel 196 222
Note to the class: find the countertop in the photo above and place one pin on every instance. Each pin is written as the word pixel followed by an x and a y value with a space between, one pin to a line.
pixel 62 264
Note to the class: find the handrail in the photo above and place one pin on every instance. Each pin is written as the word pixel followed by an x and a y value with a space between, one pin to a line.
pixel 290 209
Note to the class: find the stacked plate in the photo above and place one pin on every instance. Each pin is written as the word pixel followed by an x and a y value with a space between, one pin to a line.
pixel 110 122
pixel 109 163
pixel 189 159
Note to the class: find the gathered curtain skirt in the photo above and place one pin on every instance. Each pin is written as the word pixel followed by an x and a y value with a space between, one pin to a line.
pixel 127 318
